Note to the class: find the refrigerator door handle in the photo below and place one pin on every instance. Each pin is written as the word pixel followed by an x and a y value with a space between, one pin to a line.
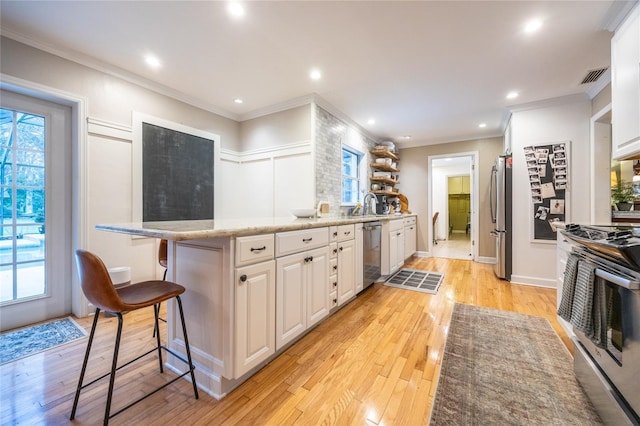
pixel 493 194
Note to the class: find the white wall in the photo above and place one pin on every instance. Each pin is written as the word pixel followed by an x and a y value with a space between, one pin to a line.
pixel 110 103
pixel 534 262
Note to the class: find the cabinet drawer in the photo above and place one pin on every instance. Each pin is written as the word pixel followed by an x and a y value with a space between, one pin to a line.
pixel 295 241
pixel 333 299
pixel 333 233
pixel 409 221
pixel 333 266
pixel 333 250
pixel 254 248
pixel 333 283
pixel 346 232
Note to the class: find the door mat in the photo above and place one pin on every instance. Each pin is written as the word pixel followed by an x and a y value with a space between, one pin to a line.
pixel 416 280
pixel 37 338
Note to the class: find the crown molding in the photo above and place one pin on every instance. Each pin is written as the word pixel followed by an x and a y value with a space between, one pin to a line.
pixel 616 14
pixel 117 72
pixel 418 144
pixel 562 100
pixel 324 104
pixel 279 107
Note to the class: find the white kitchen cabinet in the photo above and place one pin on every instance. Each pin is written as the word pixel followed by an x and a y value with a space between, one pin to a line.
pixel 346 271
pixel 392 246
pixel 301 293
pixel 410 236
pixel 625 88
pixel 255 313
pixel 359 261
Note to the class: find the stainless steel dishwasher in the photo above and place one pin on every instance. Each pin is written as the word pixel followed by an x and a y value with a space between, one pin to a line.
pixel 372 238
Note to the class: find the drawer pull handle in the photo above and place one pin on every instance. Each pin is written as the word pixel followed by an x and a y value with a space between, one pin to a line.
pixel 258 249
pixel 307 240
pixel 347 232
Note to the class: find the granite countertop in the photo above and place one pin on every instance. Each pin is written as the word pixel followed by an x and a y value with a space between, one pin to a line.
pixel 196 229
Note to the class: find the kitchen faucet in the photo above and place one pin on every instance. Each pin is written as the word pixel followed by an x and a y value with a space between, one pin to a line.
pixel 369 208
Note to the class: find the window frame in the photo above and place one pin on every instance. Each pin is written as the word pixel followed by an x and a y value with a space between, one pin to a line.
pixel 356 176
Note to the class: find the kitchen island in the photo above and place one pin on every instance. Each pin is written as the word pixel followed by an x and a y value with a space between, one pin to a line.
pixel 255 286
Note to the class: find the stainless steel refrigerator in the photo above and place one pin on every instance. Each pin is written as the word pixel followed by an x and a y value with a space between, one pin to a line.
pixel 500 200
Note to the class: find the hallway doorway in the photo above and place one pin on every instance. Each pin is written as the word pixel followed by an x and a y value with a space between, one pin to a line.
pixel 452 196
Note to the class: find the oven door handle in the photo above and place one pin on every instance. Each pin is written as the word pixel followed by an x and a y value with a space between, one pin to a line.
pixel 618 280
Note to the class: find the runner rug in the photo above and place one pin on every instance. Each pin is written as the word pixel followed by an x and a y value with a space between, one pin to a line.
pixel 37 338
pixel 504 368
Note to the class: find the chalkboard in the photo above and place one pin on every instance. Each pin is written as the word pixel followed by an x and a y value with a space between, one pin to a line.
pixel 177 175
pixel 547 168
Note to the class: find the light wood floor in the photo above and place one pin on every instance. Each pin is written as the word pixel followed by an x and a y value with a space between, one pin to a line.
pixel 374 362
pixel 457 246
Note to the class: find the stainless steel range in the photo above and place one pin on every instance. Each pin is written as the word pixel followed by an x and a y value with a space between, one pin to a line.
pixel 607 351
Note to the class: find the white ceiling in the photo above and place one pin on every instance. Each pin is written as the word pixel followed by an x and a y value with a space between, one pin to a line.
pixel 430 69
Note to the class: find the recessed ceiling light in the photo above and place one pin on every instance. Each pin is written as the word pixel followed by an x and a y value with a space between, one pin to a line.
pixel 152 61
pixel 533 26
pixel 371 122
pixel 238 100
pixel 235 9
pixel 315 74
pixel 512 95
pixel 482 125
pixel 406 137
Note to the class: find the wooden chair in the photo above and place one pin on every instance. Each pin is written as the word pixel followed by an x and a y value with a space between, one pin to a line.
pixel 433 229
pixel 99 290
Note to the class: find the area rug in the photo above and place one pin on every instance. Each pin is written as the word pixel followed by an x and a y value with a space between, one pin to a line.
pixel 416 280
pixel 504 368
pixel 37 338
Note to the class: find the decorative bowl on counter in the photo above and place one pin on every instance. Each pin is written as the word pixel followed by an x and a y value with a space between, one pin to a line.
pixel 303 212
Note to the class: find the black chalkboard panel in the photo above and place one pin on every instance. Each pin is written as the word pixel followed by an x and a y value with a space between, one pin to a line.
pixel 177 175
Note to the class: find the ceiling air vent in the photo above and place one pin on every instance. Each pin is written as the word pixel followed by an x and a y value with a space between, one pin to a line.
pixel 593 75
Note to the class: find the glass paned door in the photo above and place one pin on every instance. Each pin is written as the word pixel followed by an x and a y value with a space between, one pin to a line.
pixel 22 206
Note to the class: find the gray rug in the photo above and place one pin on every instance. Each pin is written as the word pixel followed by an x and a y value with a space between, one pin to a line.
pixel 504 368
pixel 416 280
pixel 37 338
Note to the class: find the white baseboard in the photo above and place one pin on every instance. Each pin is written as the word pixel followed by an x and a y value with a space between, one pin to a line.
pixel 533 281
pixel 483 259
pixel 422 254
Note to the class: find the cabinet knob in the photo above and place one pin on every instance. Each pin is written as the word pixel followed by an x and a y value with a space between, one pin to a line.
pixel 310 258
pixel 335 251
pixel 335 300
pixel 335 234
pixel 335 267
pixel 340 248
pixel 335 284
pixel 243 278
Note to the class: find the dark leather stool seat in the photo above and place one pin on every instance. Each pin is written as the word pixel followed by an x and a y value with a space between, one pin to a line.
pixel 99 290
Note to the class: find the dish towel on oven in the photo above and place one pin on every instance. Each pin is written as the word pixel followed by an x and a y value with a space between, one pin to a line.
pixel 568 287
pixel 601 313
pixel 582 309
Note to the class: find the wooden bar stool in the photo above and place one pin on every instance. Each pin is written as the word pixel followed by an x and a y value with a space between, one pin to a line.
pixel 162 260
pixel 99 290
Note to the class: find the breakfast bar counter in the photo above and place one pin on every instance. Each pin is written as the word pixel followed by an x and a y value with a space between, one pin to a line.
pixel 255 286
pixel 197 229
